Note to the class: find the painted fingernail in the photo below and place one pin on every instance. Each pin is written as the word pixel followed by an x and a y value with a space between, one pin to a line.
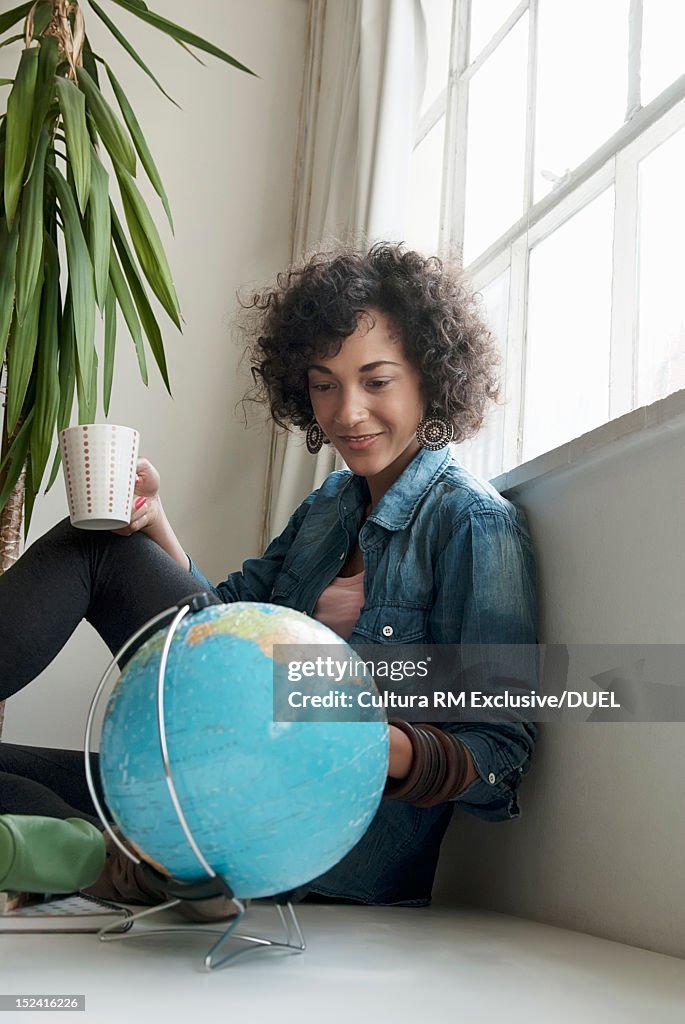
pixel 139 503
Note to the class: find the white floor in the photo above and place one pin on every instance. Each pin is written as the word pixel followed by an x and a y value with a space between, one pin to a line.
pixel 361 965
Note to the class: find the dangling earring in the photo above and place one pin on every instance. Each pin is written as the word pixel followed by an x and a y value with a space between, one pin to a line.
pixel 315 438
pixel 434 432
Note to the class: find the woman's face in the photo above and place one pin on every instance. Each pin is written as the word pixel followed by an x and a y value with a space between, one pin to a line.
pixel 367 400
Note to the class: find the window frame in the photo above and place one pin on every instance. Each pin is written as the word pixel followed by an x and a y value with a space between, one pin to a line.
pixel 613 164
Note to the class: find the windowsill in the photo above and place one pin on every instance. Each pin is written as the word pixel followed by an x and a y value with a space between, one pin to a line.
pixel 635 429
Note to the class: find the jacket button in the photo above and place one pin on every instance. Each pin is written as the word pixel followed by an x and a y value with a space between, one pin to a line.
pixel 388 631
pixel 492 778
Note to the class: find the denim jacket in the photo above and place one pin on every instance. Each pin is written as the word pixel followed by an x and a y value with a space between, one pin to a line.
pixel 447 560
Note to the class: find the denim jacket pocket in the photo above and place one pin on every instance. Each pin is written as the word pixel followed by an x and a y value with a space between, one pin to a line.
pixel 285 584
pixel 392 624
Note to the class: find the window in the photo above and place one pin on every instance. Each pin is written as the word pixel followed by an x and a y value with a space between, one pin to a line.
pixel 551 153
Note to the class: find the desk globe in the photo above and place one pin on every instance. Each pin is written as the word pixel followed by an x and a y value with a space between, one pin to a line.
pixel 271 804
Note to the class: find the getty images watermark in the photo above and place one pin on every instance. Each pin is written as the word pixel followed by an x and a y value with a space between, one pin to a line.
pixel 484 683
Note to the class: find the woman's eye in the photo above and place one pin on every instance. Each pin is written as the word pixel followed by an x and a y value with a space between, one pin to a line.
pixel 320 387
pixel 376 385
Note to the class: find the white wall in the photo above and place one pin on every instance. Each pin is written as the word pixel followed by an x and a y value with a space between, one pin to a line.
pixel 600 842
pixel 227 160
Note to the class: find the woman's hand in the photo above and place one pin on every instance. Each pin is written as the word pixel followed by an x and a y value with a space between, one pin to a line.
pixel 148 516
pixel 147 508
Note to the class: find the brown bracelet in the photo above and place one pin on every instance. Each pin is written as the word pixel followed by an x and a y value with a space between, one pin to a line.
pixel 438 770
pixel 456 768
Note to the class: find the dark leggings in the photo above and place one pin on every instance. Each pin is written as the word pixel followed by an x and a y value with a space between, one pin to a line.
pixel 40 780
pixel 117 584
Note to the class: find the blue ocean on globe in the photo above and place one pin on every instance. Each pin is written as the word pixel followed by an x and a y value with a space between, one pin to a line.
pixel 271 804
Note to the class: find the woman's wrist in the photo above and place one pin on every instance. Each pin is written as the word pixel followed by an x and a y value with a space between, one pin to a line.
pixel 441 766
pixel 161 532
pixel 401 754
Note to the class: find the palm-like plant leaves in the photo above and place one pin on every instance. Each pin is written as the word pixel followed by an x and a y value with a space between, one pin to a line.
pixel 15 459
pixel 8 262
pixel 56 113
pixel 137 288
pixel 80 277
pixel 13 17
pixel 110 347
pixel 67 378
pixel 179 34
pixel 148 246
pixel 47 377
pixel 140 144
pixel 121 38
pixel 99 227
pixel 19 109
pixel 108 125
pixel 21 351
pixel 123 297
pixel 44 95
pixel 30 253
pixel 73 106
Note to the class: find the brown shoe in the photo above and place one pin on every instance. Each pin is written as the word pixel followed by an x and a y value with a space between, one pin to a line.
pixel 218 908
pixel 123 881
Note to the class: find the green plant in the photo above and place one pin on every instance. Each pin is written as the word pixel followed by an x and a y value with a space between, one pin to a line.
pixel 65 254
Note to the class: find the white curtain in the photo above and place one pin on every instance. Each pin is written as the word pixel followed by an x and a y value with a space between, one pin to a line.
pixel 363 82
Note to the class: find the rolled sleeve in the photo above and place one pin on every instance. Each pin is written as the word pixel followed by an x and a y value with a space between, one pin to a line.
pixel 486 595
pixel 501 756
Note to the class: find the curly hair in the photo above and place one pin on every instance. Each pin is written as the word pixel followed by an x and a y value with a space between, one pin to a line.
pixel 317 304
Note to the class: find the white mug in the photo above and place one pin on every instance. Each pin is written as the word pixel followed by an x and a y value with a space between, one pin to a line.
pixel 99 463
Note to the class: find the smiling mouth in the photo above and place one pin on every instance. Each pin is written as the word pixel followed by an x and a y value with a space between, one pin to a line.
pixel 357 437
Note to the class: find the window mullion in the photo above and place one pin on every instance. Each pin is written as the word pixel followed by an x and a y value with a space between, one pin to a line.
pixel 529 171
pixel 626 135
pixel 624 290
pixel 431 117
pixel 454 190
pixel 515 360
pixel 501 34
pixel 634 98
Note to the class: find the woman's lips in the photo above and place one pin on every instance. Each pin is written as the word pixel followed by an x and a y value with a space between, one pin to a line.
pixel 361 442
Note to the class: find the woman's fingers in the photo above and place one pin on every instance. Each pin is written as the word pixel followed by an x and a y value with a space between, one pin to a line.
pixel 140 514
pixel 147 478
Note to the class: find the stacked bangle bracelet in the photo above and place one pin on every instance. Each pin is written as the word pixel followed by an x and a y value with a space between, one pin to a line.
pixel 438 771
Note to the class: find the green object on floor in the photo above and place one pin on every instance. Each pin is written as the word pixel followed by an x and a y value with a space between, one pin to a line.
pixel 39 854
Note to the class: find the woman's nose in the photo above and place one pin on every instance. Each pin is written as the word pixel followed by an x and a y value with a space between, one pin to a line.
pixel 350 411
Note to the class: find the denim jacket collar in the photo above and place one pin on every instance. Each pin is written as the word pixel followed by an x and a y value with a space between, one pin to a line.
pixel 397 507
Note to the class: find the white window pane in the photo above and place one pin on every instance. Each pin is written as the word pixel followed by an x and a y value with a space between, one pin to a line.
pixel 569 313
pixel 496 143
pixel 663 55
pixel 438 18
pixel 486 18
pixel 425 184
pixel 661 323
pixel 483 454
pixel 581 85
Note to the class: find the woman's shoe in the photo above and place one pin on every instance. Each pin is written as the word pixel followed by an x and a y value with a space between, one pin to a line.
pixel 124 881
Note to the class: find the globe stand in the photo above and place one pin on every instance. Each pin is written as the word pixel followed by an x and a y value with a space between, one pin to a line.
pixel 254 943
pixel 213 884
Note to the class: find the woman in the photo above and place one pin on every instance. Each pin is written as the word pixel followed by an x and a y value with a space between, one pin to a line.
pixel 383 355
